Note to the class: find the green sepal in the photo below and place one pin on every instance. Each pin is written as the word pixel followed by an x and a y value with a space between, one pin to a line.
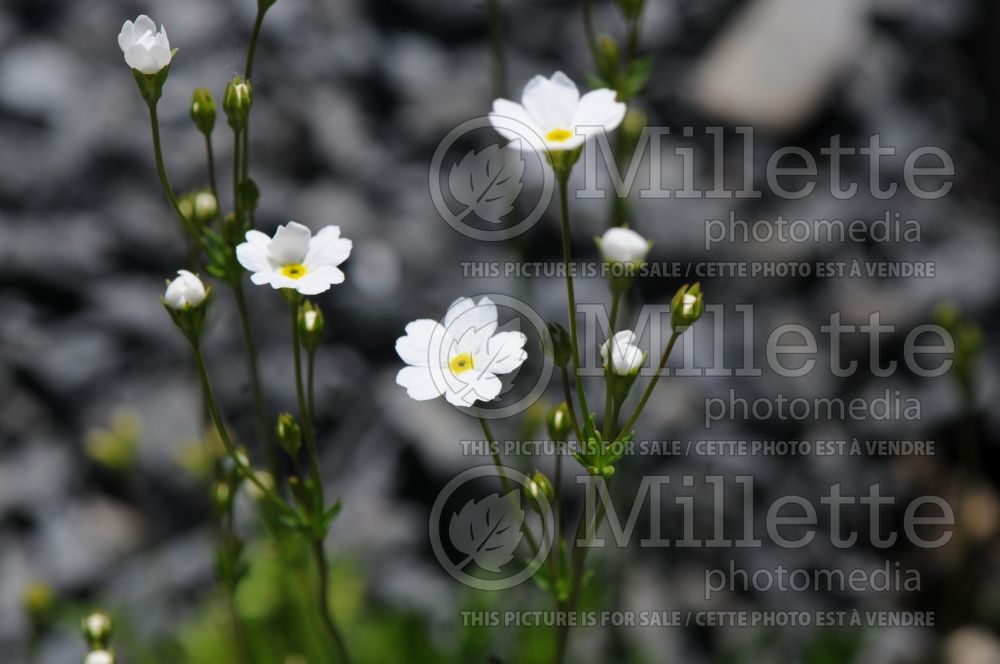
pixel 151 85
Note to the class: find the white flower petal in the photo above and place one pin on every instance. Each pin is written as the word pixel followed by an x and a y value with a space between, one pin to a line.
pixel 598 111
pixel 290 244
pixel 252 256
pixel 512 121
pixel 418 383
pixel 187 290
pixel 481 387
pixel 328 248
pixel 125 37
pixel 143 24
pixel 416 347
pixel 504 353
pixel 551 102
pixel 465 315
pixel 315 283
pixel 622 245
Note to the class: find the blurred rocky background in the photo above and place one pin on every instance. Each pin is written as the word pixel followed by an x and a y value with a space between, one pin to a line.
pixel 99 416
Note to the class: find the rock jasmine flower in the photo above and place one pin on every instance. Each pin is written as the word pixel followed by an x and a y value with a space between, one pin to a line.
pixel 553 110
pixel 459 357
pixel 145 49
pixel 626 356
pixel 184 292
pixel 295 259
pixel 621 245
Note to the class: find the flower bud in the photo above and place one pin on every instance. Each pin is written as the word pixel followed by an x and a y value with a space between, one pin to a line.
pixel 185 292
pixel 288 433
pixel 559 422
pixel 203 110
pixel 686 307
pixel 559 345
pixel 198 207
pixel 265 482
pixel 237 102
pixel 99 657
pixel 626 357
pixel 621 245
pixel 607 49
pixel 222 497
pixel 540 487
pixel 185 301
pixel 310 326
pixel 39 603
pixel 97 630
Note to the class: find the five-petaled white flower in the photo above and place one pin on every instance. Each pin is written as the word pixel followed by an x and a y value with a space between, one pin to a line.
pixel 621 245
pixel 294 258
pixel 552 115
pixel 460 357
pixel 145 49
pixel 185 291
pixel 626 356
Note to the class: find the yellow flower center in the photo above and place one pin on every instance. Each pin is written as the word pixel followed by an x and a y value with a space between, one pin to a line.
pixel 294 270
pixel 559 135
pixel 460 363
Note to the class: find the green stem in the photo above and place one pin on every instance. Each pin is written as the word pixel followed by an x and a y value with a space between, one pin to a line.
pixel 236 175
pixel 570 296
pixel 161 169
pixel 326 615
pixel 256 387
pixel 502 472
pixel 305 414
pixel 652 385
pixel 579 557
pixel 242 466
pixel 609 373
pixel 588 29
pixel 212 184
pixel 495 19
pixel 254 35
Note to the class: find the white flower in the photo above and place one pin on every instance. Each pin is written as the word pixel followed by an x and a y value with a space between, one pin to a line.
pixel 553 116
pixel 621 245
pixel 626 357
pixel 460 357
pixel 185 291
pixel 145 49
pixel 295 259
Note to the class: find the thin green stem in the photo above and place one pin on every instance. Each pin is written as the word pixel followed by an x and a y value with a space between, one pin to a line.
pixel 588 28
pixel 502 472
pixel 241 465
pixel 495 18
pixel 256 387
pixel 212 183
pixel 254 35
pixel 236 175
pixel 305 414
pixel 609 373
pixel 161 169
pixel 579 557
pixel 570 295
pixel 652 385
pixel 326 615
